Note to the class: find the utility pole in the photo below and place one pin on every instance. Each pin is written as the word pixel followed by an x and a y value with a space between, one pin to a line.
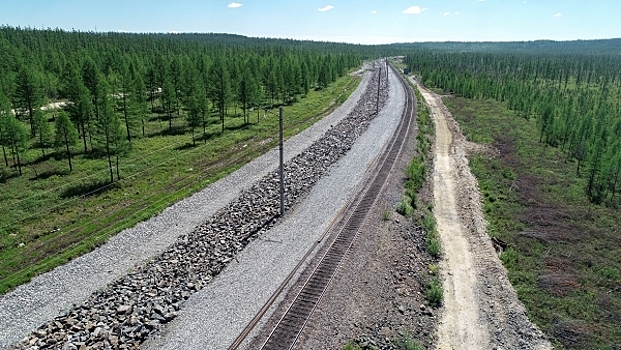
pixel 282 176
pixel 379 81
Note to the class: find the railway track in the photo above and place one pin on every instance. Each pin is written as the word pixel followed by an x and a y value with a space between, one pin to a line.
pixel 288 329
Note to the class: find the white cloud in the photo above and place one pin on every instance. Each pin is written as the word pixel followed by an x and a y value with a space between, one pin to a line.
pixel 234 5
pixel 456 13
pixel 414 10
pixel 374 12
pixel 327 8
pixel 447 13
pixel 558 15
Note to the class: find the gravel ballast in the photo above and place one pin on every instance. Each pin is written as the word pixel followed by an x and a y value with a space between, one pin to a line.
pixel 215 316
pixel 48 295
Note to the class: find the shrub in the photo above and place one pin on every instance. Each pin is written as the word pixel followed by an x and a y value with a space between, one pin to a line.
pixel 407 342
pixel 404 207
pixel 435 294
pixel 433 245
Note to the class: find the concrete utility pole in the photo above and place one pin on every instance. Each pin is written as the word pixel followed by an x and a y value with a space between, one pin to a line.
pixel 282 176
pixel 379 81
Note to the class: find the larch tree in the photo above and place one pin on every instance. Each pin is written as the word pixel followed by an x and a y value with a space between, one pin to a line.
pixel 5 112
pixel 110 135
pixel 221 87
pixel 43 131
pixel 248 93
pixel 169 101
pixel 28 94
pixel 66 136
pixel 195 110
pixel 16 139
pixel 125 99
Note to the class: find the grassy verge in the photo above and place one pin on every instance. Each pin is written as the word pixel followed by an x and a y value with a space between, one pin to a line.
pixel 422 206
pixel 51 216
pixel 563 252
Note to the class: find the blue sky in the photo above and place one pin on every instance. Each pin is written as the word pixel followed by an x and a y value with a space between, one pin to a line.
pixel 359 21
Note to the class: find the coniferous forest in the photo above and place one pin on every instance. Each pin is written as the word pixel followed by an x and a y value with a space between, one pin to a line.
pixel 102 130
pixel 574 98
pixel 99 130
pixel 111 82
pixel 549 117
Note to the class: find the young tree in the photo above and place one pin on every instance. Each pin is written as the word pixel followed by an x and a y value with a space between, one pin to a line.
pixel 81 107
pixel 248 93
pixel 66 136
pixel 195 110
pixel 5 112
pixel 42 128
pixel 139 97
pixel 169 101
pixel 126 87
pixel 110 134
pixel 28 94
pixel 221 87
pixel 16 139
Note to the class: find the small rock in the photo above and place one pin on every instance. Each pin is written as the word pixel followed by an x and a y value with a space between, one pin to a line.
pixel 123 309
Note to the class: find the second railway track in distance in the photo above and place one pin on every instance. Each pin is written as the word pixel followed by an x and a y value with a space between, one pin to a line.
pixel 288 329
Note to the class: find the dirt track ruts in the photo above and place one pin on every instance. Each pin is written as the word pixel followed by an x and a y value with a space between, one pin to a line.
pixel 481 308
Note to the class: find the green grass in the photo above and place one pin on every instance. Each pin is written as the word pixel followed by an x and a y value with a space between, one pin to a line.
pixel 563 255
pixel 407 342
pixel 435 293
pixel 404 207
pixel 51 219
pixel 385 214
pixel 352 346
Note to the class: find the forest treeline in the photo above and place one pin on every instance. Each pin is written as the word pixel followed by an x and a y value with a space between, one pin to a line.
pixel 574 98
pixel 111 83
pixel 536 47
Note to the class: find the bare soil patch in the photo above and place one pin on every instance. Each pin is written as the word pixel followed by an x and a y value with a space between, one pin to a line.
pixel 377 298
pixel 481 310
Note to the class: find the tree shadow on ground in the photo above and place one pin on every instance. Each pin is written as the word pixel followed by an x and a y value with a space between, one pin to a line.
pixel 6 175
pixel 88 189
pixel 237 127
pixel 175 131
pixel 187 146
pixel 45 174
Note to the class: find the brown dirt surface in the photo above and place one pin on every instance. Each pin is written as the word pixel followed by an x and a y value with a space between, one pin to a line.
pixel 481 309
pixel 376 300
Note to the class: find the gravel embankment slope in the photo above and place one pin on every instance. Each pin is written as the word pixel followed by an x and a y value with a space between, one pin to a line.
pixel 48 295
pixel 213 317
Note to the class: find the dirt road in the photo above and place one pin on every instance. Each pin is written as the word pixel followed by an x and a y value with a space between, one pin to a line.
pixel 481 309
